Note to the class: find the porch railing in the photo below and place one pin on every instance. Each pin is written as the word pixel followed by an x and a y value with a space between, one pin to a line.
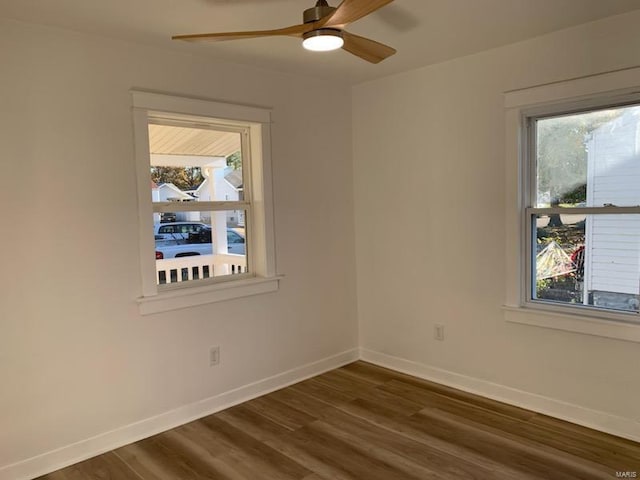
pixel 196 267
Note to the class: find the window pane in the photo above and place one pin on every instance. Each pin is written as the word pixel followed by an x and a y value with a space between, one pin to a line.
pixel 589 159
pixel 558 246
pixel 190 164
pixel 200 245
pixel 591 260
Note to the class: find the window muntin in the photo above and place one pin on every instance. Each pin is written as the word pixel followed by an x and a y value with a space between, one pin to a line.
pixel 583 220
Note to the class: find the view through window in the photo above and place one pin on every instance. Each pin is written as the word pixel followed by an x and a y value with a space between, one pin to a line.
pixel 583 209
pixel 200 209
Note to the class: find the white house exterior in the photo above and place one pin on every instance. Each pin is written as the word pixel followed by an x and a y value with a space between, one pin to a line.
pixel 612 254
pixel 228 186
pixel 168 192
pixel 214 188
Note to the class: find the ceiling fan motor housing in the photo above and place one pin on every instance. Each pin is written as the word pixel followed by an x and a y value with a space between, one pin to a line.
pixel 321 10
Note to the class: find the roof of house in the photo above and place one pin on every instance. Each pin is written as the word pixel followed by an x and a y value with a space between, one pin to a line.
pixel 178 192
pixel 234 177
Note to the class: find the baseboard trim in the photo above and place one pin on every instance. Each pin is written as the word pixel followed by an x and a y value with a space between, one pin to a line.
pixel 84 449
pixel 595 419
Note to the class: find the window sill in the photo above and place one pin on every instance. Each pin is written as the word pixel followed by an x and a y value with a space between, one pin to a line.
pixel 193 296
pixel 573 323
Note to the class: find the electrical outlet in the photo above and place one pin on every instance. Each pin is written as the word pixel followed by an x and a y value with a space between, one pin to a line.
pixel 214 356
pixel 438 332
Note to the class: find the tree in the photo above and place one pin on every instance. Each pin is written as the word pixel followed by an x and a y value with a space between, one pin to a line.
pixel 235 160
pixel 185 178
pixel 562 156
pixel 188 178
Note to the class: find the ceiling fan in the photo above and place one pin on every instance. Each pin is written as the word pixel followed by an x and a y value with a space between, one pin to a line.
pixel 322 30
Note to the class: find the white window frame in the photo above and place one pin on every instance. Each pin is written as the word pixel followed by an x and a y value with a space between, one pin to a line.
pixel 612 88
pixel 255 124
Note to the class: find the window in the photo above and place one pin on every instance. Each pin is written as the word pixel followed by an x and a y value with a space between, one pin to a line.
pixel 599 309
pixel 583 209
pixel 189 163
pixel 203 180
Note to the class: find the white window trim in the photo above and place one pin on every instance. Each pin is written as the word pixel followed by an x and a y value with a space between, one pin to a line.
pixel 261 241
pixel 621 86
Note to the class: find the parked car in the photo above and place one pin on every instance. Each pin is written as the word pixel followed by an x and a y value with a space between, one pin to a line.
pixel 176 232
pixel 198 243
pixel 168 217
pixel 183 250
pixel 235 239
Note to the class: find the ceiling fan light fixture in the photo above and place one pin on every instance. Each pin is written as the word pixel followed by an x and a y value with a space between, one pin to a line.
pixel 323 40
pixel 323 29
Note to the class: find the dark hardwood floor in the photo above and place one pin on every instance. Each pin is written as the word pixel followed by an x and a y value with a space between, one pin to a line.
pixel 367 423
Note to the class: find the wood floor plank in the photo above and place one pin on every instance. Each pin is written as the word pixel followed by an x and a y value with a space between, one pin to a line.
pixel 374 373
pixel 549 439
pixel 254 423
pixel 161 458
pixel 406 465
pixel 302 401
pixel 523 432
pixel 405 426
pixel 258 466
pixel 427 393
pixel 287 415
pixel 323 392
pixel 103 467
pixel 57 475
pixel 587 435
pixel 363 422
pixel 504 449
pixel 393 402
pixel 343 382
pixel 253 450
pixel 518 427
pixel 343 457
pixel 198 436
pixel 304 455
pixel 367 434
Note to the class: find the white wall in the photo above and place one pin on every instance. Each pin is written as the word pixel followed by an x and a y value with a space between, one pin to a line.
pixel 76 358
pixel 439 132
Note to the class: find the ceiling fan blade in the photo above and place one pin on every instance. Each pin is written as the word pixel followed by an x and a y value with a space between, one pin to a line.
pixel 293 31
pixel 368 50
pixel 351 10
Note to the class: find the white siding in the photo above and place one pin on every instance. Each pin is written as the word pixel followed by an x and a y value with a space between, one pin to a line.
pixel 612 261
pixel 224 191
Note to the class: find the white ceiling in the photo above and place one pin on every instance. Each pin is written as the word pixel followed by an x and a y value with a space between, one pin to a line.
pixel 423 31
